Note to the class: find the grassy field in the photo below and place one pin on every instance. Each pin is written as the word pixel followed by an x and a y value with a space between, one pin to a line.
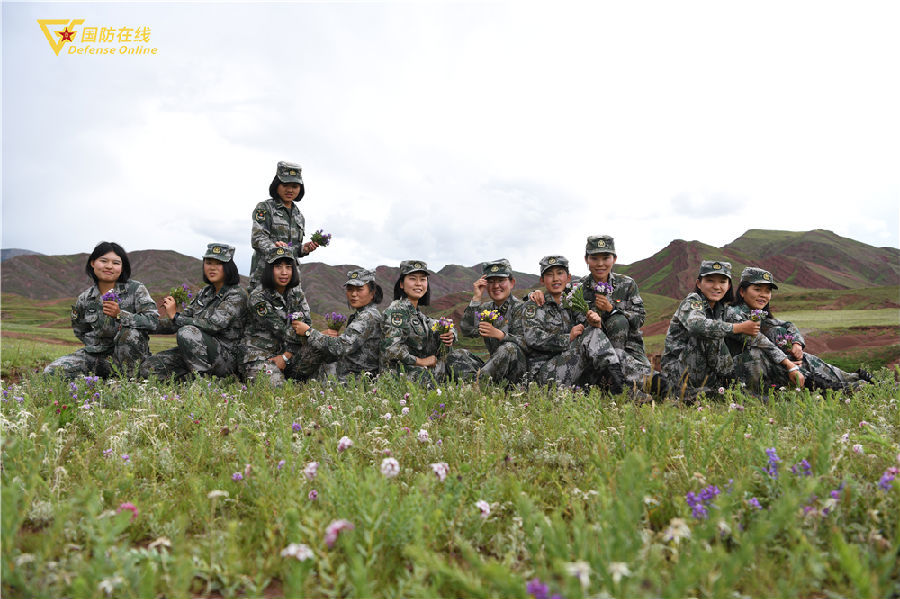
pixel 833 319
pixel 150 489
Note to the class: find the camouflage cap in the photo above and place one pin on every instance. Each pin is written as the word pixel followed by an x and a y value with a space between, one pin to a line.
pixel 408 266
pixel 551 261
pixel 715 267
pixel 600 244
pixel 279 253
pixel 497 268
pixel 288 172
pixel 219 251
pixel 758 276
pixel 360 277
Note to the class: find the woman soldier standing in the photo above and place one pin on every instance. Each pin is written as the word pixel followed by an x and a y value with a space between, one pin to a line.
pixel 270 344
pixel 113 318
pixel 696 357
pixel 786 364
pixel 356 351
pixel 209 330
pixel 277 222
pixel 409 342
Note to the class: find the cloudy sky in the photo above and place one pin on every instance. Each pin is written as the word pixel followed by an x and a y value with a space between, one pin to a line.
pixel 454 132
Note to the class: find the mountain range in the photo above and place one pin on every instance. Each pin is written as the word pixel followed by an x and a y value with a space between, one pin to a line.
pixel 815 259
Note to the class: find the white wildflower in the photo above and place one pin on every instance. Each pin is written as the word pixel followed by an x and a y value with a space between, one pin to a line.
pixel 440 470
pixel 617 570
pixel 404 411
pixel 387 416
pixel 299 551
pixel 677 530
pixel 390 467
pixel 422 436
pixel 312 469
pixel 581 571
pixel 107 585
pixel 344 443
pixel 858 449
pixel 484 506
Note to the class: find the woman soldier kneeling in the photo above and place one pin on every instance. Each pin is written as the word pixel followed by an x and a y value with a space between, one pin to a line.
pixel 113 318
pixel 209 330
pixel 356 351
pixel 270 343
pixel 410 343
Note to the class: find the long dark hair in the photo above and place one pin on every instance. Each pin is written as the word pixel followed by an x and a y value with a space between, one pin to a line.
pixel 231 273
pixel 105 247
pixel 739 300
pixel 398 293
pixel 273 190
pixel 268 276
pixel 729 295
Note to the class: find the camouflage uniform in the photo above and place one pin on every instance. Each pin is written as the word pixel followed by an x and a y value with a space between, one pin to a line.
pixel 273 222
pixel 695 351
pixel 542 332
pixel 208 332
pixel 355 351
pixel 507 361
pixel 759 363
pixel 121 343
pixel 268 332
pixel 623 324
pixel 407 335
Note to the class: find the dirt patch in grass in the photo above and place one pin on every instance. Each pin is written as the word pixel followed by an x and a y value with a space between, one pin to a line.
pixel 818 343
pixel 50 340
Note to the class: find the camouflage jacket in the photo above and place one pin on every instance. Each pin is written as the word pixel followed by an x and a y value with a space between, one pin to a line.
pixel 97 330
pixel 268 331
pixel 272 222
pixel 541 331
pixel 406 335
pixel 221 315
pixel 625 299
pixel 696 339
pixel 469 322
pixel 738 343
pixel 358 348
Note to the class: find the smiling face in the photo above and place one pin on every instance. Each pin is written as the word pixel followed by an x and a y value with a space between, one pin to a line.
pixel 107 268
pixel 415 285
pixel 714 287
pixel 288 191
pixel 600 266
pixel 555 280
pixel 499 288
pixel 756 296
pixel 214 271
pixel 359 296
pixel 282 271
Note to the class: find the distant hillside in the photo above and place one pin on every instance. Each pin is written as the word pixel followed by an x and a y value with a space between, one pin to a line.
pixel 7 253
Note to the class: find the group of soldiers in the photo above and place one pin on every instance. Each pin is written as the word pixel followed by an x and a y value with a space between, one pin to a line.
pixel 581 333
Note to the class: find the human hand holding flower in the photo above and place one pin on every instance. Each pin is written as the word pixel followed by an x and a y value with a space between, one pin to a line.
pixel 111 308
pixel 602 303
pixel 299 326
pixel 594 319
pixel 169 306
pixel 797 351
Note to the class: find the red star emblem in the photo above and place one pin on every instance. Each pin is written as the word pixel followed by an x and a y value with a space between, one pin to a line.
pixel 66 35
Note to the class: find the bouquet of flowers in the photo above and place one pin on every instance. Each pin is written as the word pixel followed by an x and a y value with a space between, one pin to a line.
pixel 110 296
pixel 335 321
pixel 757 315
pixel 441 326
pixel 785 342
pixel 294 316
pixel 182 294
pixel 603 288
pixel 490 316
pixel 574 300
pixel 321 238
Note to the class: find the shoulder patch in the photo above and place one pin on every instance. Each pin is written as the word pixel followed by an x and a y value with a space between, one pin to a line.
pixel 74 312
pixel 260 215
pixel 530 311
pixel 696 305
pixel 262 308
pixel 396 319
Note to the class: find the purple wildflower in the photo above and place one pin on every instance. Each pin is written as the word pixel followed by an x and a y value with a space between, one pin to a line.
pixel 772 468
pixel 110 296
pixel 280 464
pixel 603 288
pixel 756 315
pixel 313 495
pixel 698 502
pixel 885 483
pixel 335 321
pixel 321 238
pixel 754 503
pixel 537 589
pixel 237 476
pixel 296 427
pixel 802 468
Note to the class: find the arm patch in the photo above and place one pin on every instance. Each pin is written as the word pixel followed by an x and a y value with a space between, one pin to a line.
pixel 260 215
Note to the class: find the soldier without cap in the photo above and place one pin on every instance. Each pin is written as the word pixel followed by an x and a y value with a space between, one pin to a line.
pixel 507 362
pixel 560 351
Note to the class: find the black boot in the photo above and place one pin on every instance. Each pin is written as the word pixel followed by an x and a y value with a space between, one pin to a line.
pixel 815 381
pixel 864 375
pixel 615 379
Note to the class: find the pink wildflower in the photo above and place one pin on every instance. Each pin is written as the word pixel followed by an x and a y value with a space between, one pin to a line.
pixel 311 470
pixel 485 508
pixel 440 470
pixel 130 507
pixel 334 529
pixel 390 467
pixel 344 443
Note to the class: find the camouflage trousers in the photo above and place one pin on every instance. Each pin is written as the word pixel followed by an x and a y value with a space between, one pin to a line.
pixel 129 352
pixel 702 368
pixel 196 352
pixel 249 371
pixel 311 363
pixel 754 369
pixel 635 365
pixel 456 365
pixel 506 365
pixel 588 356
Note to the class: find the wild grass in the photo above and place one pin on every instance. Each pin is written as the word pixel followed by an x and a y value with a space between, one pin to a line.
pixel 585 492
pixel 830 319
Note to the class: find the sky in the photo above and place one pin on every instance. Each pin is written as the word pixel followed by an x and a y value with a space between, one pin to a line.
pixel 453 132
